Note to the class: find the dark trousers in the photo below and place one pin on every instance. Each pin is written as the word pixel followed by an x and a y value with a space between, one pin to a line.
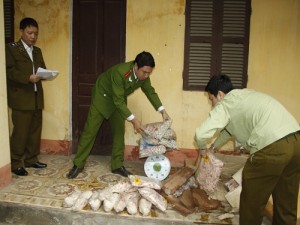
pixel 25 140
pixel 274 170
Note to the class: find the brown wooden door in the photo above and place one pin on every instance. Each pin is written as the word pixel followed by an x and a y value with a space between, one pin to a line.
pixel 98 43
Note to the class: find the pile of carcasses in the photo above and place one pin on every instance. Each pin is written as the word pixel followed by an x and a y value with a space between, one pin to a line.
pixel 137 194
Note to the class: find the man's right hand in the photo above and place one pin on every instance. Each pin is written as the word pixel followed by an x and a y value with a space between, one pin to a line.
pixel 165 115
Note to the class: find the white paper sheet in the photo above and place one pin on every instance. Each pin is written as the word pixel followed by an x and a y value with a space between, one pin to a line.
pixel 46 74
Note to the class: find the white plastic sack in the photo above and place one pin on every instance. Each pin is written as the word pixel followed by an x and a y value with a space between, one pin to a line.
pixel 156 138
pixel 122 186
pixel 142 181
pixel 132 200
pixel 157 130
pixel 121 204
pixel 110 202
pixel 70 200
pixel 146 149
pixel 94 201
pixel 105 193
pixel 82 200
pixel 155 198
pixel 144 206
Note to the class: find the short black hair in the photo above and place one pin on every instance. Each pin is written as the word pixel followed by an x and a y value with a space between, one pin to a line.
pixel 144 59
pixel 26 22
pixel 220 82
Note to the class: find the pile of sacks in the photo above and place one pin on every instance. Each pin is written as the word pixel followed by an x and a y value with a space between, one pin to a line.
pixel 156 139
pixel 137 194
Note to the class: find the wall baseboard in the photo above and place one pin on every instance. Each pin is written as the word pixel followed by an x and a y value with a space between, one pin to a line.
pixel 176 157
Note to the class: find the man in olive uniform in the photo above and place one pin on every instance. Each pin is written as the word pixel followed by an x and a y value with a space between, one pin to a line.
pixel 109 101
pixel 25 97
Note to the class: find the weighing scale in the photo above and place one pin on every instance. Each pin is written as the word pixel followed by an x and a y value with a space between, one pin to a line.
pixel 157 167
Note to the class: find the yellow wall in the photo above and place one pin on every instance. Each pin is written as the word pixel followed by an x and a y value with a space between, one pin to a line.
pixel 160 30
pixel 54 19
pixel 158 26
pixel 274 56
pixel 4 134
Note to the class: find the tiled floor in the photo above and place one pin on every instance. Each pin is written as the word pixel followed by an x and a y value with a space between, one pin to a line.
pixel 48 187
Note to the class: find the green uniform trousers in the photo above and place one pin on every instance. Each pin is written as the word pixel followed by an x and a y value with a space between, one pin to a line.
pixel 25 140
pixel 89 134
pixel 274 170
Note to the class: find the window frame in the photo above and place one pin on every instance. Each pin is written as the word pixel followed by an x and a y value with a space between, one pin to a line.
pixel 8 8
pixel 213 46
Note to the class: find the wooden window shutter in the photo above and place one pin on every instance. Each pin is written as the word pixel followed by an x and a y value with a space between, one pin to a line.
pixel 216 41
pixel 8 7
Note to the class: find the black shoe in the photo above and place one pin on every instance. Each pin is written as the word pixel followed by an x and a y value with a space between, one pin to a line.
pixel 74 172
pixel 20 171
pixel 121 171
pixel 37 165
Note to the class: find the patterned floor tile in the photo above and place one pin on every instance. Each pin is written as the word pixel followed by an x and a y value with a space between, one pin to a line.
pixel 49 186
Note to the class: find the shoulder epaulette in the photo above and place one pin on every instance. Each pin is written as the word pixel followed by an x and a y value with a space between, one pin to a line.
pixel 13 44
pixel 127 74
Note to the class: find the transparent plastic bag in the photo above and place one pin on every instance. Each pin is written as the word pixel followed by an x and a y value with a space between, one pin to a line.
pixel 210 169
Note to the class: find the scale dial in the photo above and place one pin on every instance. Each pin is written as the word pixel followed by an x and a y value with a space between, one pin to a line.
pixel 157 167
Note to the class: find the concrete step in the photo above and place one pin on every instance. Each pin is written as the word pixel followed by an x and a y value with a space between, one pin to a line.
pixel 21 214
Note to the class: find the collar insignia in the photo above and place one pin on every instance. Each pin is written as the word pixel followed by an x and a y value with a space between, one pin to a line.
pixel 14 44
pixel 127 74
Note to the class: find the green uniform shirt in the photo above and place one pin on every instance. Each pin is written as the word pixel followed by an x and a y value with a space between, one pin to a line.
pixel 114 86
pixel 253 118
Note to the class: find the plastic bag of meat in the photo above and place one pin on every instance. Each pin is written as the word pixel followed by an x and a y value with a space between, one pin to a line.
pixel 156 139
pixel 82 200
pixel 94 201
pixel 122 186
pixel 121 204
pixel 209 172
pixel 168 143
pixel 168 139
pixel 132 201
pixel 149 150
pixel 170 134
pixel 144 206
pixel 105 193
pixel 110 201
pixel 141 181
pixel 70 200
pixel 158 129
pixel 155 198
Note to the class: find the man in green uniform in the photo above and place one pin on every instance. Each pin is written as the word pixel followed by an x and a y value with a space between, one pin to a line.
pixel 109 101
pixel 25 97
pixel 272 136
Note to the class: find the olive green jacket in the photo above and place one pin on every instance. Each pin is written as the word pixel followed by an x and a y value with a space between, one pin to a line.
pixel 20 91
pixel 114 86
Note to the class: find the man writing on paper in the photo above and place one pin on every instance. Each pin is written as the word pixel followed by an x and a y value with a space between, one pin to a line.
pixel 25 97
